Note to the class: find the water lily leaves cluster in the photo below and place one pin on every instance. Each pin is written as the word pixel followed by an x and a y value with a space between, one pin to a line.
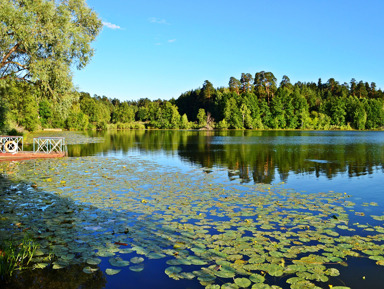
pixel 71 137
pixel 221 233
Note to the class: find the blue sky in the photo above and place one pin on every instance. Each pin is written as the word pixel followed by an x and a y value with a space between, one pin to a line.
pixel 162 48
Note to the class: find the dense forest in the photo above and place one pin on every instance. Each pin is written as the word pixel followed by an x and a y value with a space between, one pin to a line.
pixel 251 102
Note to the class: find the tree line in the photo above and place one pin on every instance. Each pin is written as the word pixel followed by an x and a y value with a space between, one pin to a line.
pixel 251 102
pixel 259 102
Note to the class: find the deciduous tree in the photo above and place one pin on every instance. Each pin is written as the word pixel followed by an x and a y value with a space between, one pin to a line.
pixel 40 40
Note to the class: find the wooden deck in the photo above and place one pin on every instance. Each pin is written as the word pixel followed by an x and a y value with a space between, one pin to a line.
pixel 24 155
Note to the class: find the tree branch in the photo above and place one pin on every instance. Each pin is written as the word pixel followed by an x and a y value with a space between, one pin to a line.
pixel 14 62
pixel 14 48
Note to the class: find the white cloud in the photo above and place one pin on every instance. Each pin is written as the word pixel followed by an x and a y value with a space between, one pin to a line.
pixel 171 40
pixel 157 20
pixel 111 26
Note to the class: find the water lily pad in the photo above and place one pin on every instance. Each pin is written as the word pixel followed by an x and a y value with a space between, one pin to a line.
pixel 243 282
pixel 118 262
pixel 137 260
pixel 93 261
pixel 112 271
pixel 229 286
pixel 173 270
pixel 57 266
pixel 257 278
pixel 261 286
pixel 332 272
pixel 212 286
pixel 380 262
pixel 41 265
pixel 89 270
pixel 225 274
pixel 137 268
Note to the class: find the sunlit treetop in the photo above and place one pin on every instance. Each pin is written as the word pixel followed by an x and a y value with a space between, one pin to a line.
pixel 41 40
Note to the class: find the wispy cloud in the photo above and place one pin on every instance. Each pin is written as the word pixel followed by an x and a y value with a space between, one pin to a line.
pixel 171 40
pixel 111 26
pixel 157 20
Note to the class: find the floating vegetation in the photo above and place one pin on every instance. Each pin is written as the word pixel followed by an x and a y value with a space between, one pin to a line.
pixel 223 234
pixel 71 137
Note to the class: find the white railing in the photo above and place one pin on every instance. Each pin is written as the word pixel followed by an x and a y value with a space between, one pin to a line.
pixel 11 144
pixel 49 145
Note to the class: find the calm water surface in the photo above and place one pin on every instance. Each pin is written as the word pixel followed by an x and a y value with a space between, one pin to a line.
pixel 305 160
pixel 310 161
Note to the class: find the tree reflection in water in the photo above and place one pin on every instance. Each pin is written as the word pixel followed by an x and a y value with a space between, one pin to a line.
pixel 261 156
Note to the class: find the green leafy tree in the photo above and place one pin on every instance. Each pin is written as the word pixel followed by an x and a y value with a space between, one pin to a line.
pixel 246 116
pixel 41 40
pixel 360 116
pixel 3 115
pixel 142 113
pixel 30 119
pixel 45 112
pixel 202 117
pixel 265 84
pixel 234 85
pixel 375 113
pixel 278 112
pixel 207 90
pixel 124 113
pixel 265 113
pixel 77 120
pixel 337 111
pixel 184 123
pixel 232 114
pixel 246 82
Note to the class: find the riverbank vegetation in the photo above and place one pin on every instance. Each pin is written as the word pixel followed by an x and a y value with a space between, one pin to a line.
pixel 257 102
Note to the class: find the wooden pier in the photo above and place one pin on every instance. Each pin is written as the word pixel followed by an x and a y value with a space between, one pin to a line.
pixel 11 148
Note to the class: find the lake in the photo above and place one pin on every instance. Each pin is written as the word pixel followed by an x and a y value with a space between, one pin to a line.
pixel 203 209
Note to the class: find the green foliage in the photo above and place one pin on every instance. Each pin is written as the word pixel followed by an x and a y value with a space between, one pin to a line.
pixel 243 105
pixel 77 121
pixel 3 114
pixel 202 117
pixel 184 123
pixel 15 256
pixel 222 124
pixel 41 40
pixel 30 121
pixel 45 112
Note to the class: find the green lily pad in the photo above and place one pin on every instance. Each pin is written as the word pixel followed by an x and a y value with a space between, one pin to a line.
pixel 41 265
pixel 137 268
pixel 89 270
pixel 261 286
pixel 257 278
pixel 243 282
pixel 118 262
pixel 173 270
pixel 212 286
pixel 93 261
pixel 225 274
pixel 112 271
pixel 137 260
pixel 229 286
